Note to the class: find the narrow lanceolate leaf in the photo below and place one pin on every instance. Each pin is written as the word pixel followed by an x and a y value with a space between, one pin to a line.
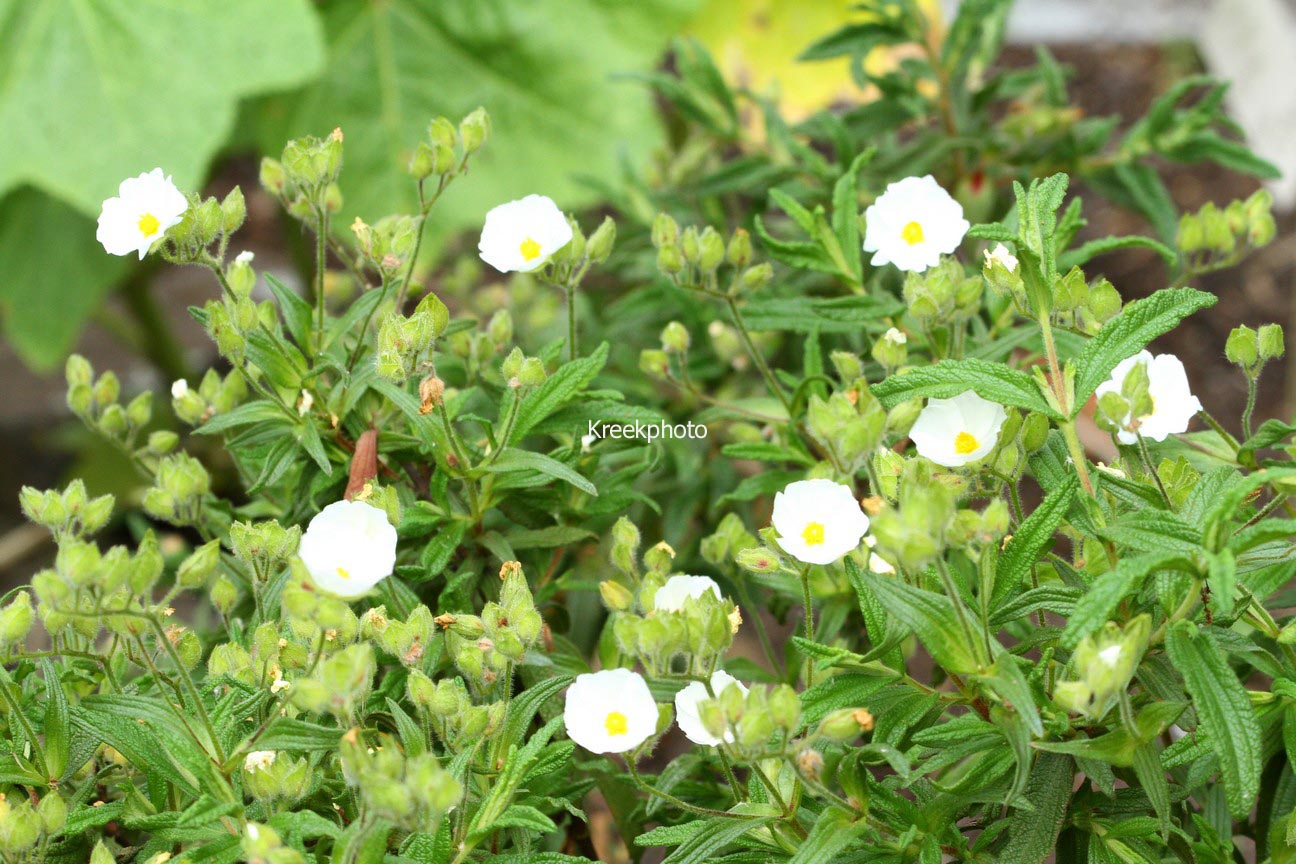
pixel 701 848
pixel 1094 608
pixel 992 381
pixel 1031 539
pixel 1224 712
pixel 1033 832
pixel 929 615
pixel 557 390
pixel 833 832
pixel 1130 332
pixel 525 460
pixel 1079 257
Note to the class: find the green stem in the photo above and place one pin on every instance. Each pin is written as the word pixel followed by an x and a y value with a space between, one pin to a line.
pixel 965 623
pixel 321 247
pixel 770 381
pixel 671 799
pixel 1077 454
pixel 1252 382
pixel 1146 457
pixel 570 291
pixel 809 622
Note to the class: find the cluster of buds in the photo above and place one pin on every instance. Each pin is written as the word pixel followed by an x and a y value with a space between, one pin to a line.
pixel 340 685
pixel 69 513
pixel 96 402
pixel 730 538
pixel 488 646
pixel 304 178
pixel 914 532
pixel 1087 305
pixel 693 258
pixel 412 791
pixel 1103 664
pixel 752 721
pixel 205 222
pixel 179 490
pixel 942 295
pixel 1212 239
pixel 658 617
pixel 276 777
pixel 263 546
pixel 450 711
pixel 405 640
pixel 445 150
pixel 569 264
pixel 404 342
pixel 311 614
pixel 522 373
pixel 213 395
pixel 262 845
pixel 849 424
pixel 387 244
pixel 890 350
pixel 84 581
pixel 22 825
pixel 1252 349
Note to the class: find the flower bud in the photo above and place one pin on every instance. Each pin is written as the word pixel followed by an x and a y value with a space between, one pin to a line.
pixel 785 708
pixel 423 161
pixel 846 724
pixel 758 560
pixel 198 567
pixel 659 558
pixel 233 211
pixel 1242 347
pixel 810 764
pixel 224 594
pixel 532 373
pixel 600 243
pixel 1272 345
pixel 739 252
pixel 654 362
pixel 16 619
pixel 755 278
pixel 78 371
pixel 616 596
pixel 675 337
pixel 711 250
pixel 273 177
pixel 474 130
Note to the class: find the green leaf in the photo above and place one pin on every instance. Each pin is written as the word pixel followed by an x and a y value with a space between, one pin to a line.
pixel 1032 538
pixel 58 724
pixel 295 310
pixel 1079 257
pixel 55 275
pixel 1033 832
pixel 833 832
pixel 715 834
pixel 559 116
pixel 78 142
pixel 512 460
pixel 557 390
pixel 1129 332
pixel 1005 680
pixel 1105 594
pixel 1224 712
pixel 807 315
pixel 929 615
pixel 287 733
pixel 992 381
pixel 244 415
pixel 1269 434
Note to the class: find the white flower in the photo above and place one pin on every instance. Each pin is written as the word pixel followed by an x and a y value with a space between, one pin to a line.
pixel 895 337
pixel 145 207
pixel 1000 255
pixel 280 684
pixel 521 235
pixel 610 711
pixel 587 442
pixel 912 224
pixel 244 257
pixel 179 388
pixel 1173 403
pixel 876 562
pixel 259 760
pixel 954 432
pixel 818 521
pixel 678 590
pixel 688 700
pixel 305 402
pixel 348 548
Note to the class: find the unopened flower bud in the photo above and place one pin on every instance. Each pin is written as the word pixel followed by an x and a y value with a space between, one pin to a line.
pixel 616 596
pixel 1271 341
pixel 1242 347
pixel 758 560
pixel 474 130
pixel 739 252
pixel 675 337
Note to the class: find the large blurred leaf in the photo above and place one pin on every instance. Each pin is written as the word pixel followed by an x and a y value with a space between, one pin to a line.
pixel 93 91
pixel 98 90
pixel 544 69
pixel 53 275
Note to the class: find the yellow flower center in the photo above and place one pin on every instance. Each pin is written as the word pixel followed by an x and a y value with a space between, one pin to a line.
pixel 149 224
pixel 813 534
pixel 965 443
pixel 530 249
pixel 342 571
pixel 912 233
pixel 616 723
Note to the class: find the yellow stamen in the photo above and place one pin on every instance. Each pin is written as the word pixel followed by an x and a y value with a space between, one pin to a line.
pixel 912 233
pixel 342 571
pixel 149 224
pixel 965 444
pixel 530 249
pixel 616 723
pixel 813 534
